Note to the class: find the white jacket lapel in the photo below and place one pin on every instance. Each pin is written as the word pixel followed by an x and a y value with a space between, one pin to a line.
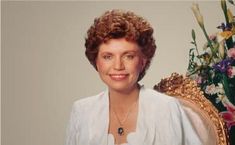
pixel 100 122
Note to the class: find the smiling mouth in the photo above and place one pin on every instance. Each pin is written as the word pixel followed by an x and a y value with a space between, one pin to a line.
pixel 118 77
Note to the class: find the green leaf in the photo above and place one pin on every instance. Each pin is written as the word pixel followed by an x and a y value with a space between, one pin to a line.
pixel 226 87
pixel 193 35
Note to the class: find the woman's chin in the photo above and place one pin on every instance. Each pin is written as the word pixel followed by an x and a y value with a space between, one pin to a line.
pixel 122 88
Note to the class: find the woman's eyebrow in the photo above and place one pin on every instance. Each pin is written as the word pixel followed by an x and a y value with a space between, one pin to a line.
pixel 132 51
pixel 106 52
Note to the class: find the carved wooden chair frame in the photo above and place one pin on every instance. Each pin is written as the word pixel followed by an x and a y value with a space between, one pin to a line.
pixel 187 90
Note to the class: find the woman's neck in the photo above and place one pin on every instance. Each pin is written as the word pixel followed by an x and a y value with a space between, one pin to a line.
pixel 121 100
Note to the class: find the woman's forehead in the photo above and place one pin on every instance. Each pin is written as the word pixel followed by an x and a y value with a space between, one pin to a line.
pixel 119 45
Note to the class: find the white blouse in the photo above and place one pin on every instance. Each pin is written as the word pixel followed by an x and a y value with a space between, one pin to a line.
pixel 161 121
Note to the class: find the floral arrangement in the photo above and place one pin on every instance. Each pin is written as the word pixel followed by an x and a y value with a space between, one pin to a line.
pixel 214 68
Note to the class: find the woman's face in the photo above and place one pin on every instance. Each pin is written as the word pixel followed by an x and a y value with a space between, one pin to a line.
pixel 119 63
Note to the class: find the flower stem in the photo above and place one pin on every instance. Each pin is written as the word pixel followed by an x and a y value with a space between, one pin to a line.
pixel 210 44
pixel 224 8
pixel 195 44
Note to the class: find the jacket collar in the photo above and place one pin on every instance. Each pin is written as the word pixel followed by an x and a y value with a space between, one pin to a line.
pixel 99 126
pixel 99 130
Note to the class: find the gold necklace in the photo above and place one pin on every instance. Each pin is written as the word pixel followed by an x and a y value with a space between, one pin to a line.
pixel 120 130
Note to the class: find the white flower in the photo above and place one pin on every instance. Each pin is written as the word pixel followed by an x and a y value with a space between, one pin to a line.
pixel 221 98
pixel 220 89
pixel 221 41
pixel 211 89
pixel 197 14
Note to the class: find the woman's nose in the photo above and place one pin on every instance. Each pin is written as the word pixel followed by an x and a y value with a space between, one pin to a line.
pixel 118 64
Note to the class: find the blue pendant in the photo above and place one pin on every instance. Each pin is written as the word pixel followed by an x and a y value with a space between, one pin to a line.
pixel 120 131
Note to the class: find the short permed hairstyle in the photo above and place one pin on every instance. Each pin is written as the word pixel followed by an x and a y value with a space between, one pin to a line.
pixel 116 24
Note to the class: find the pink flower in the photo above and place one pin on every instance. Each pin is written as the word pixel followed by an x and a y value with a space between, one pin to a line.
pixel 229 115
pixel 231 71
pixel 213 37
pixel 231 53
pixel 229 118
pixel 199 79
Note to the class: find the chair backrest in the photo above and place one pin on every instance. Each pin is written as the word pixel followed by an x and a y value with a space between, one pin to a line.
pixel 204 117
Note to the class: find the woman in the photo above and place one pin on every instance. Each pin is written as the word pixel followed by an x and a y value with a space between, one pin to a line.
pixel 120 46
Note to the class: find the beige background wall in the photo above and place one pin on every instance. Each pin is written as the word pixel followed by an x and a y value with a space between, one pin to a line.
pixel 44 68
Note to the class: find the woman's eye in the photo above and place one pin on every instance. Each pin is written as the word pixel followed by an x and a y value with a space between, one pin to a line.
pixel 107 57
pixel 129 57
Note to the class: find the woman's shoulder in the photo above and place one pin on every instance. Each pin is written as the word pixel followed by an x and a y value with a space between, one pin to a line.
pixel 157 107
pixel 89 102
pixel 158 101
pixel 154 96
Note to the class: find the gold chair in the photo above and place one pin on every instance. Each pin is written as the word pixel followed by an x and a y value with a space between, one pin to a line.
pixel 205 118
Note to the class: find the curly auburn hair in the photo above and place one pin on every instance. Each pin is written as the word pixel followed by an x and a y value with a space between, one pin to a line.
pixel 116 24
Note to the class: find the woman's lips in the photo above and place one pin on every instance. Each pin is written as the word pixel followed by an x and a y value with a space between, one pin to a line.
pixel 118 77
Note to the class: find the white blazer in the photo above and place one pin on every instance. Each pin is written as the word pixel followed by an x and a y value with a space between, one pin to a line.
pixel 161 121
